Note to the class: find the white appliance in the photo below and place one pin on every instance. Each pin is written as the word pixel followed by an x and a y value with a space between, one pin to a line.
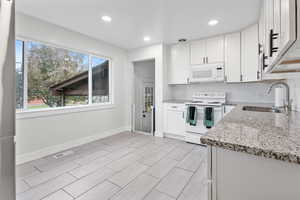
pixel 200 101
pixel 7 100
pixel 207 73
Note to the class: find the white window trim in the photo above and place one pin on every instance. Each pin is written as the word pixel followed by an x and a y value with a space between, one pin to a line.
pixel 25 113
pixel 46 112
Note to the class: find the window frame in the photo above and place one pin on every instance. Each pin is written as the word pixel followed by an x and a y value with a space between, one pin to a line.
pixel 26 113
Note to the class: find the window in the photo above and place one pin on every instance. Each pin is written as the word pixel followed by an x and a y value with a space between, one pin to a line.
pixel 57 77
pixel 19 74
pixel 100 83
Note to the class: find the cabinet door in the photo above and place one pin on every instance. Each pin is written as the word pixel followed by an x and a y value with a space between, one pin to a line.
pixel 287 23
pixel 233 57
pixel 249 48
pixel 276 27
pixel 262 29
pixel 215 49
pixel 175 122
pixel 269 8
pixel 198 52
pixel 178 67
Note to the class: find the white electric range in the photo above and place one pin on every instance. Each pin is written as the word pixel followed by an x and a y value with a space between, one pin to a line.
pixel 201 100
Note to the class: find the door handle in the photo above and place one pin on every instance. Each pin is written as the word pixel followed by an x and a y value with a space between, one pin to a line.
pixel 272 36
pixel 264 57
pixel 259 48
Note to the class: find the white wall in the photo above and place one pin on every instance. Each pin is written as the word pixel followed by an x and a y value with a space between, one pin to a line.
pixel 39 136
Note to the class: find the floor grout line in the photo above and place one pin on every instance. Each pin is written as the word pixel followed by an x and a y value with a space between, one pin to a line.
pixel 134 144
pixel 63 189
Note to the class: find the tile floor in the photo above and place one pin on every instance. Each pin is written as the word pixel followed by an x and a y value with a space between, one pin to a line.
pixel 125 166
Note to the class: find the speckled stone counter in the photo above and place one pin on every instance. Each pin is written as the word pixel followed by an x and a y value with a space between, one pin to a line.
pixel 271 135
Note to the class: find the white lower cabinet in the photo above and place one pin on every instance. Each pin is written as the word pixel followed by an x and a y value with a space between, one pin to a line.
pixel 228 109
pixel 174 120
pixel 241 176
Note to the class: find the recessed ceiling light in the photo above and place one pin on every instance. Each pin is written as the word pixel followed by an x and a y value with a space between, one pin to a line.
pixel 106 18
pixel 147 38
pixel 213 22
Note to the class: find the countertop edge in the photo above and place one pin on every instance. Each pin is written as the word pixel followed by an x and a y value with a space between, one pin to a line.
pixel 266 153
pixel 253 151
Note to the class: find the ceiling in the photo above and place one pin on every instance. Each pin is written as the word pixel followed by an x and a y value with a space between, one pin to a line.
pixel 162 20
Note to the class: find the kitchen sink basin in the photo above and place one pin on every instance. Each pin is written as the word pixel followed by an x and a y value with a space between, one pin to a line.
pixel 261 109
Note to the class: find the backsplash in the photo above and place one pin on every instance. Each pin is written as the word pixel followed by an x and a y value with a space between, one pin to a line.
pixel 239 92
pixel 294 84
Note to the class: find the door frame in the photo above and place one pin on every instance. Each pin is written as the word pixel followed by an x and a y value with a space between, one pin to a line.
pixel 158 52
pixel 133 105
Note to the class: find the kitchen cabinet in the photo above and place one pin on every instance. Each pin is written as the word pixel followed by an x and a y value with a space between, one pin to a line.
pixel 287 24
pixel 233 57
pixel 249 57
pixel 236 175
pixel 174 120
pixel 279 29
pixel 198 52
pixel 178 64
pixel 228 109
pixel 207 51
pixel 215 50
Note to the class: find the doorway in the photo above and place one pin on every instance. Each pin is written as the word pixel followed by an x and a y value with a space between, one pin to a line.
pixel 144 96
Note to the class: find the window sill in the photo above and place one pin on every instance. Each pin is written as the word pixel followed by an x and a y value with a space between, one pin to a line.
pixel 61 111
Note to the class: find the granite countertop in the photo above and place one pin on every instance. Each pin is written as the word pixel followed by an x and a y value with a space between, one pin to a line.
pixel 271 135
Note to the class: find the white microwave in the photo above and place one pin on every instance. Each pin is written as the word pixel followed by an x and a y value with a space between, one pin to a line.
pixel 207 73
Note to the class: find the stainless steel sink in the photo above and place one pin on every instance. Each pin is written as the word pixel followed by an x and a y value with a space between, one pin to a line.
pixel 261 109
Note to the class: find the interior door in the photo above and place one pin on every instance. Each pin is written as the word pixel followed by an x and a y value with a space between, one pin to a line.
pixel 215 49
pixel 146 106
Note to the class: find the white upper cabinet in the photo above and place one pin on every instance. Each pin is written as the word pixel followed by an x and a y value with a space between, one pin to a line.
pixel 215 50
pixel 233 57
pixel 207 51
pixel 249 59
pixel 287 23
pixel 178 64
pixel 279 27
pixel 198 52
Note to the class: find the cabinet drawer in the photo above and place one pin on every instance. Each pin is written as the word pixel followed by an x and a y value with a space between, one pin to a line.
pixel 175 106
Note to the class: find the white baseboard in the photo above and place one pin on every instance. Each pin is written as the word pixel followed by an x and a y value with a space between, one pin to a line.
pixel 159 134
pixel 174 136
pixel 23 158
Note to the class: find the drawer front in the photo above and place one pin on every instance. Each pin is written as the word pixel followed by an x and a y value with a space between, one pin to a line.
pixel 175 106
